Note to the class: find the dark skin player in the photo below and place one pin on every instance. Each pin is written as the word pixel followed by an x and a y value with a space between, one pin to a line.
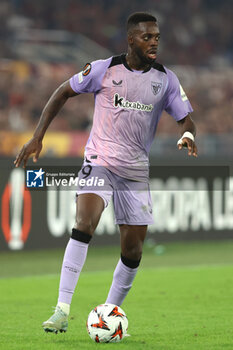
pixel 143 40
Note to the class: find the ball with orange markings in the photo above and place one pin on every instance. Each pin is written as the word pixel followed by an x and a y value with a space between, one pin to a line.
pixel 107 323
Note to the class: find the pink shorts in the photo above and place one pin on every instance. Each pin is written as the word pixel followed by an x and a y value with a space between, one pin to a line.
pixel 131 199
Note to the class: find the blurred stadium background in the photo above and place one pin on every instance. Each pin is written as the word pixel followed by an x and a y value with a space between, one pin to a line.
pixel 43 43
pixel 182 295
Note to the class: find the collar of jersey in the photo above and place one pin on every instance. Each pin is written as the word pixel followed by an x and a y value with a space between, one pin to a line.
pixel 123 60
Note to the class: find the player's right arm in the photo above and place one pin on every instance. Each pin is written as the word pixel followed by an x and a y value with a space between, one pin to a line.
pixel 53 106
pixel 89 80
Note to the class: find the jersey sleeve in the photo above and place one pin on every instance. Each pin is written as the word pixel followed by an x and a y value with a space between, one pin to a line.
pixel 176 103
pixel 90 78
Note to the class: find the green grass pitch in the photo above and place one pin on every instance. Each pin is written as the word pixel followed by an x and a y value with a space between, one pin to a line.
pixel 182 298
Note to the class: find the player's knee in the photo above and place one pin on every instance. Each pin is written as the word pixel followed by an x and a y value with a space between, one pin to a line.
pixel 133 252
pixel 129 262
pixel 85 225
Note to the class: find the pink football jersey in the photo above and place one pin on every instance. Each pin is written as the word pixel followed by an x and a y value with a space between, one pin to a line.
pixel 128 106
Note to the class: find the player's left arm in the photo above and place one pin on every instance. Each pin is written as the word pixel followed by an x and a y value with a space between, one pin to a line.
pixel 188 133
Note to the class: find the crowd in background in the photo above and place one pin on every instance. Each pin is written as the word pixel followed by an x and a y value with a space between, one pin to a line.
pixel 195 34
pixel 192 31
pixel 25 89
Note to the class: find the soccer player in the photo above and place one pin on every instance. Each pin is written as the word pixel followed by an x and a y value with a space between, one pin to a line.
pixel 131 91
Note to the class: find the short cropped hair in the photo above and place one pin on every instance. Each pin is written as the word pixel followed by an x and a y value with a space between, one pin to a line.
pixel 138 17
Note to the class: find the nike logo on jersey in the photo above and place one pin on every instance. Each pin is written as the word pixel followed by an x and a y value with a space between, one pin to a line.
pixel 121 102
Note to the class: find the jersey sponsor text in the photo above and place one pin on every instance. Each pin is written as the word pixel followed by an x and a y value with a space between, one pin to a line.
pixel 138 106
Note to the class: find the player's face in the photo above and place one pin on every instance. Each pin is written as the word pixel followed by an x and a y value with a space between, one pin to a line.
pixel 144 40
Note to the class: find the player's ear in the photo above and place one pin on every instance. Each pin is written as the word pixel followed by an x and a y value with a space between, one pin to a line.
pixel 130 38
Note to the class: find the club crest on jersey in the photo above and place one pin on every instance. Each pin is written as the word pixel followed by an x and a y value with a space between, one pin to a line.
pixel 156 87
pixel 86 70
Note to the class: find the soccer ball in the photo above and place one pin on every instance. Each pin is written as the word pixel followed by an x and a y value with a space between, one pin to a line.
pixel 107 323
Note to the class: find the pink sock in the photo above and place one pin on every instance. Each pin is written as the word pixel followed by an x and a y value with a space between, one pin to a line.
pixel 122 282
pixel 74 259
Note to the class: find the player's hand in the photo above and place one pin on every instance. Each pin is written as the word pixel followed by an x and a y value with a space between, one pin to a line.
pixel 186 142
pixel 33 146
